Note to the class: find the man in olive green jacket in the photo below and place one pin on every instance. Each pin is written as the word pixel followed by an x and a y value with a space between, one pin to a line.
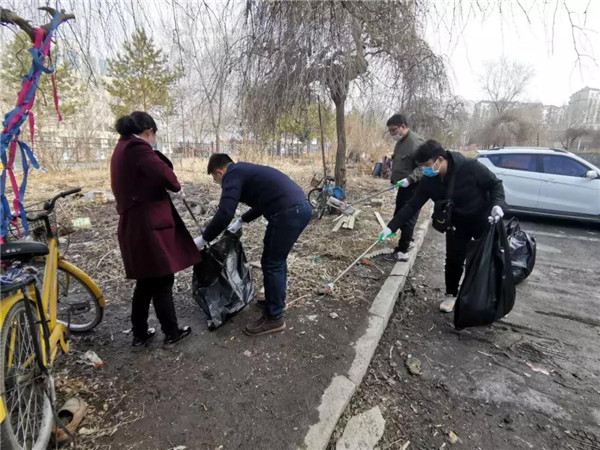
pixel 406 174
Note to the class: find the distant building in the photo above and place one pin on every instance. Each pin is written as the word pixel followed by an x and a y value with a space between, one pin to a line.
pixel 584 109
pixel 549 115
pixel 555 116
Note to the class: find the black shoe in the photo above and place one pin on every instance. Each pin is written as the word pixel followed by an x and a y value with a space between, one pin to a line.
pixel 170 341
pixel 143 340
pixel 261 304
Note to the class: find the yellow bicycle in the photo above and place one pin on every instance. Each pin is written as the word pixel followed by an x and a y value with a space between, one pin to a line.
pixel 34 326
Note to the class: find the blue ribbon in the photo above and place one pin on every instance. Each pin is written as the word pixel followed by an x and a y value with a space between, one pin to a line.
pixel 34 74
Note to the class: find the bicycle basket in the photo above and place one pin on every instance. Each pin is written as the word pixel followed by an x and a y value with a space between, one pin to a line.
pixel 37 228
pixel 316 180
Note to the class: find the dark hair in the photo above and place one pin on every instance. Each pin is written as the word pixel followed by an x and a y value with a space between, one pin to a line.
pixel 135 123
pixel 218 161
pixel 397 119
pixel 430 150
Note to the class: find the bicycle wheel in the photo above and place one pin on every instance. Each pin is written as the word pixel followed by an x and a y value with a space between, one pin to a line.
pixel 313 196
pixel 77 306
pixel 26 390
pixel 322 205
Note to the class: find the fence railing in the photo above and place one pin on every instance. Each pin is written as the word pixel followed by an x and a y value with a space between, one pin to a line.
pixel 58 153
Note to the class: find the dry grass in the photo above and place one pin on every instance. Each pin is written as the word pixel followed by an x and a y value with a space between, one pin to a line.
pixel 190 170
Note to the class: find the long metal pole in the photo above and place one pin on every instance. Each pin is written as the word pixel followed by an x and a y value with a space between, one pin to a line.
pixel 370 196
pixel 355 261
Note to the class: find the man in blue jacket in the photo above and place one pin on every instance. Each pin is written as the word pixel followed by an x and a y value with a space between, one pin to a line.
pixel 272 194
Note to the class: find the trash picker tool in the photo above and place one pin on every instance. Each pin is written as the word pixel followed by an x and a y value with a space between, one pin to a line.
pixel 329 286
pixel 348 208
pixel 191 213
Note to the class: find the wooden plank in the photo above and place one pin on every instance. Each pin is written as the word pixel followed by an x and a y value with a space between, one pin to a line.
pixel 380 219
pixel 353 219
pixel 339 224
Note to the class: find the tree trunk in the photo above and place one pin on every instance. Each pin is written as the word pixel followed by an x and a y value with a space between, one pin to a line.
pixel 322 142
pixel 340 124
pixel 218 140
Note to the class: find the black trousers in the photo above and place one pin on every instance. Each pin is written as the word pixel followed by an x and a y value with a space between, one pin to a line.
pixel 159 290
pixel 407 231
pixel 457 242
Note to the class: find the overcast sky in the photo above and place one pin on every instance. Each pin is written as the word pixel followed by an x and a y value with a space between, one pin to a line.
pixel 557 72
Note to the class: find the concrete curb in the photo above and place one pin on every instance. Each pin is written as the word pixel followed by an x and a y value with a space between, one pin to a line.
pixel 338 394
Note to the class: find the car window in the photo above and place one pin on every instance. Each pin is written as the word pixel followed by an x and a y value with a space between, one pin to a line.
pixel 495 159
pixel 518 162
pixel 562 165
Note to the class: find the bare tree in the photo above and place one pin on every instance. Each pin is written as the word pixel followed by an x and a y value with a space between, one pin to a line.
pixel 573 135
pixel 509 128
pixel 504 81
pixel 297 49
pixel 210 41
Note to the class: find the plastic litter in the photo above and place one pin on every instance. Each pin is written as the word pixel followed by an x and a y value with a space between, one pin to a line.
pixel 453 437
pixel 92 359
pixel 413 365
pixel 81 223
pixel 522 250
pixel 222 283
pixel 537 368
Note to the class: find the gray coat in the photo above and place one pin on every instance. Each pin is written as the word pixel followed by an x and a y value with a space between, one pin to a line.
pixel 403 164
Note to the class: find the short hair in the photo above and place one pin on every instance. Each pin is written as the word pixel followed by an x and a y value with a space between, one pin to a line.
pixel 135 123
pixel 430 150
pixel 218 161
pixel 397 119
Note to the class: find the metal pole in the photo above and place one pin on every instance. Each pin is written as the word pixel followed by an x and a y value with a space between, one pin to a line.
pixel 355 261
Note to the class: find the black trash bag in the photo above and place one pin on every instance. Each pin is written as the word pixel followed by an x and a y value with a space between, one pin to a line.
pixel 522 250
pixel 488 291
pixel 222 283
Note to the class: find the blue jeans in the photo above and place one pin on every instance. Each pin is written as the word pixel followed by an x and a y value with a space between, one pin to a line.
pixel 283 231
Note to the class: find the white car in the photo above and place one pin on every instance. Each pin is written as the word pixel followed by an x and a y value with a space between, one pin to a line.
pixel 546 182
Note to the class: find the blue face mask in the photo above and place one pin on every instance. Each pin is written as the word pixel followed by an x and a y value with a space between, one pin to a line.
pixel 430 171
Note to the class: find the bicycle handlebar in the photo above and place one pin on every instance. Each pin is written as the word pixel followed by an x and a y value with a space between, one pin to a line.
pixel 49 205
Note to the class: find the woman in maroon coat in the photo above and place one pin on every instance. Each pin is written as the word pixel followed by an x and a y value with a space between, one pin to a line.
pixel 153 239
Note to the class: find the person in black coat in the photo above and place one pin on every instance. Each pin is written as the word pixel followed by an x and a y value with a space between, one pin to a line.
pixel 477 199
pixel 272 194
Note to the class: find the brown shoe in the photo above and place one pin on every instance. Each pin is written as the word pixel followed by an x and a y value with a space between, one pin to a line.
pixel 264 325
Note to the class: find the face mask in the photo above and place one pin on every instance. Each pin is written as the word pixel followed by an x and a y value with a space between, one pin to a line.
pixel 431 171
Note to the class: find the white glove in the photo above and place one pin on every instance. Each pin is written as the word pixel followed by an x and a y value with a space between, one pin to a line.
pixel 403 183
pixel 200 242
pixel 237 226
pixel 497 215
pixel 385 234
pixel 179 195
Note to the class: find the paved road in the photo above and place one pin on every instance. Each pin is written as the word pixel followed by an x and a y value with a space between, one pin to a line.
pixel 558 317
pixel 529 381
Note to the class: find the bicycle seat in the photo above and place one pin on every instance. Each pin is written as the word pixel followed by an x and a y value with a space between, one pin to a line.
pixel 22 250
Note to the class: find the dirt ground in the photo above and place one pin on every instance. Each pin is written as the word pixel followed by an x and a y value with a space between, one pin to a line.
pixel 217 389
pixel 530 381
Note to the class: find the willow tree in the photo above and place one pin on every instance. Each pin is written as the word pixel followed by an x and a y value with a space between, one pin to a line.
pixel 299 50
